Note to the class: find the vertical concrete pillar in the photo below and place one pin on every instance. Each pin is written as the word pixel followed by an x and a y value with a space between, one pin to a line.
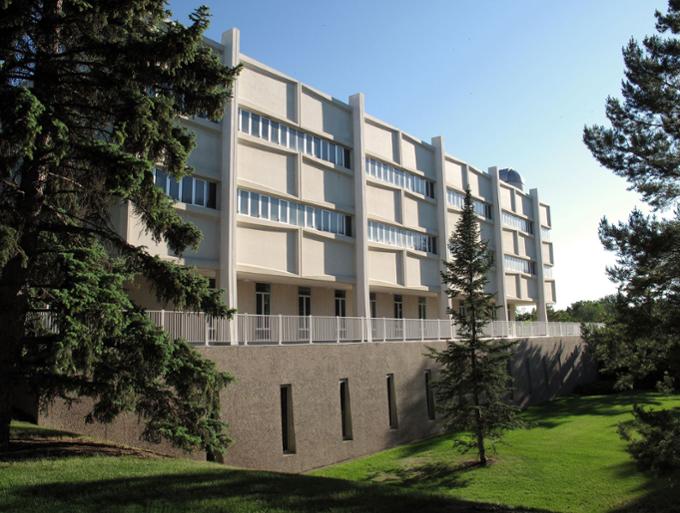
pixel 227 256
pixel 501 298
pixel 442 217
pixel 361 294
pixel 541 309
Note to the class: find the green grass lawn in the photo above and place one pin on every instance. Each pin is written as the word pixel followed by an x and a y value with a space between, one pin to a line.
pixel 49 474
pixel 570 459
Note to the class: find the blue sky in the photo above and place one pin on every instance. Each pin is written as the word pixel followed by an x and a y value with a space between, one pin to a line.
pixel 507 83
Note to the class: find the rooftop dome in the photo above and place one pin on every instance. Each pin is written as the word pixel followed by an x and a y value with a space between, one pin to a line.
pixel 509 175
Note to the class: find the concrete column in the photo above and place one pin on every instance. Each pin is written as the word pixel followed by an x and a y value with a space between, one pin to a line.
pixel 227 273
pixel 361 294
pixel 501 298
pixel 541 311
pixel 442 217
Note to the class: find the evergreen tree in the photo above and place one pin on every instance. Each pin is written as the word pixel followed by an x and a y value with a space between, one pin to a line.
pixel 90 96
pixel 472 389
pixel 641 344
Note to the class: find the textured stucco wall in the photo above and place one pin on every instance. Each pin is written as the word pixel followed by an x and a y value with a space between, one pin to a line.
pixel 543 368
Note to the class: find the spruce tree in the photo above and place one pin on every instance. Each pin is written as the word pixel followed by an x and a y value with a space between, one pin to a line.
pixel 640 346
pixel 472 387
pixel 90 98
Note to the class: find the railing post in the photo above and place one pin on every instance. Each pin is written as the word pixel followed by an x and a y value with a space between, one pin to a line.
pixel 245 329
pixel 207 329
pixel 280 329
pixel 309 326
pixel 422 330
pixel 384 330
pixel 403 330
pixel 337 329
pixel 163 320
pixel 363 320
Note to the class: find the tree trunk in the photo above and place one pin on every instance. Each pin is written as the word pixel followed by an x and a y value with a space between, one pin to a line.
pixel 12 320
pixel 479 431
pixel 5 416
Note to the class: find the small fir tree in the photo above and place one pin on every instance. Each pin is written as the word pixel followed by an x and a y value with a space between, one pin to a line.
pixel 472 388
pixel 90 98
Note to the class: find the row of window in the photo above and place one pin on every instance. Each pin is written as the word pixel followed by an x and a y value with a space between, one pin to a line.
pixel 255 204
pixel 192 190
pixel 284 135
pixel 545 233
pixel 457 200
pixel 519 223
pixel 263 293
pixel 519 265
pixel 288 423
pixel 401 238
pixel 400 178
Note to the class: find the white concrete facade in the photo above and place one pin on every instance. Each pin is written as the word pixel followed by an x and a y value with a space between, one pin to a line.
pixel 300 194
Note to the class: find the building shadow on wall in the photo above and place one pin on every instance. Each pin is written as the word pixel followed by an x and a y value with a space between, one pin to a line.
pixel 231 490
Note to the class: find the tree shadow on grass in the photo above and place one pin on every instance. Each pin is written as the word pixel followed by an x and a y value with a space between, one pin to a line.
pixel 428 476
pixel 233 491
pixel 555 413
pixel 659 494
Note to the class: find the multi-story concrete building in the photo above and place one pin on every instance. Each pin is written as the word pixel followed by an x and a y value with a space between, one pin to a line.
pixel 324 224
pixel 309 206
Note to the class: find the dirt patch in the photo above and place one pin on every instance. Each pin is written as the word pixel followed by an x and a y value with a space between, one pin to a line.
pixel 24 446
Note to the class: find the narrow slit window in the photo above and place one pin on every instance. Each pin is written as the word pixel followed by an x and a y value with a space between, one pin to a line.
pixel 429 395
pixel 392 402
pixel 287 425
pixel 345 410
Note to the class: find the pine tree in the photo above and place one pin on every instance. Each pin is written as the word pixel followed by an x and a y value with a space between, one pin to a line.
pixel 90 97
pixel 472 388
pixel 641 344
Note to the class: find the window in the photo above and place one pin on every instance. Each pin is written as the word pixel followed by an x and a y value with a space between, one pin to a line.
pixel 400 237
pixel 263 298
pixel 345 410
pixel 304 311
pixel 374 305
pixel 400 178
pixel 283 135
pixel 191 190
pixel 304 301
pixel 429 395
pixel 392 403
pixel 187 189
pixel 519 223
pixel 340 304
pixel 545 233
pixel 519 265
pixel 398 306
pixel 253 204
pixel 422 308
pixel 212 283
pixel 287 426
pixel 456 199
pixel 263 326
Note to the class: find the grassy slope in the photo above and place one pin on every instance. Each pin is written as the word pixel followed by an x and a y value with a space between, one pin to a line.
pixel 98 484
pixel 570 460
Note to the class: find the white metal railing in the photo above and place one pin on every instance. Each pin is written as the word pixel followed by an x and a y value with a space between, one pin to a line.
pixel 247 329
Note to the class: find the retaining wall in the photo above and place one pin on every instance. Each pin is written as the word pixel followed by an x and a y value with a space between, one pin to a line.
pixel 542 367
